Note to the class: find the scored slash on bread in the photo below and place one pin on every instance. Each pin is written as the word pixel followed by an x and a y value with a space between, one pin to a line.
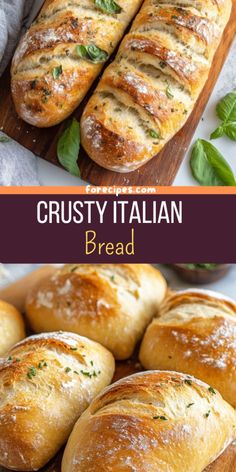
pixel 149 422
pixel 49 78
pixel 146 95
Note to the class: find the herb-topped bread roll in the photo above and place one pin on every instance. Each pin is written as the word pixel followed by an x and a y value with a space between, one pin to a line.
pixel 151 422
pixel 110 303
pixel 62 53
pixel 12 327
pixel 196 334
pixel 46 382
pixel 146 95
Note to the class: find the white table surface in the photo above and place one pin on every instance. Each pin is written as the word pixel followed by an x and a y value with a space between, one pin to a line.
pixel 52 176
pixel 227 286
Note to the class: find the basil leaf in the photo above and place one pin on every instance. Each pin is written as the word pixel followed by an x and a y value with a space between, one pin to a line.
pixel 230 130
pixel 109 6
pixel 56 72
pixel 92 53
pixel 68 148
pixel 226 108
pixel 4 139
pixel 218 133
pixel 209 167
pixel 169 93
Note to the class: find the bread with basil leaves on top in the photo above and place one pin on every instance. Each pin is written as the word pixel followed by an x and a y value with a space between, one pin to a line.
pixel 196 334
pixel 146 95
pixel 46 382
pixel 62 53
pixel 151 422
pixel 110 303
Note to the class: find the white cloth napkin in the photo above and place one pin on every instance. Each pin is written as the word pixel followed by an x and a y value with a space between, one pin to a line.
pixel 18 166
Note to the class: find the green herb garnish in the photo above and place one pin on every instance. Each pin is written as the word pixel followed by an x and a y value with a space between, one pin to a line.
pixel 226 111
pixel 68 148
pixel 108 6
pixel 189 405
pixel 212 390
pixel 92 53
pixel 209 167
pixel 169 92
pixel 67 370
pixel 4 139
pixel 56 72
pixel 74 349
pixel 188 381
pixel 163 418
pixel 207 414
pixel 31 372
pixel 153 134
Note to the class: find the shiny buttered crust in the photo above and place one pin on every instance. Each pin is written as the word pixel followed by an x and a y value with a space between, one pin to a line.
pixel 46 382
pixel 111 304
pixel 49 78
pixel 146 95
pixel 196 334
pixel 151 422
pixel 12 327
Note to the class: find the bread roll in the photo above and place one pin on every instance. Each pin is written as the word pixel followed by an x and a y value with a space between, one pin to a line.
pixel 111 304
pixel 151 422
pixel 51 73
pixel 196 334
pixel 46 382
pixel 146 95
pixel 12 327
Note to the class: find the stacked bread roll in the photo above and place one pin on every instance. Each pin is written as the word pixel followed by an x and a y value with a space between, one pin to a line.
pixel 112 304
pixel 46 382
pixel 196 334
pixel 156 421
pixel 12 327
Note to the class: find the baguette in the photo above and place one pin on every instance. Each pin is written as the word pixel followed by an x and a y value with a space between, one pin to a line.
pixel 151 422
pixel 109 303
pixel 12 327
pixel 146 95
pixel 196 334
pixel 46 382
pixel 49 76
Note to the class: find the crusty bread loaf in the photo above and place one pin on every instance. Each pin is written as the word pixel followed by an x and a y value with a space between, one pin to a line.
pixel 146 95
pixel 46 382
pixel 196 334
pixel 12 327
pixel 151 422
pixel 110 303
pixel 49 76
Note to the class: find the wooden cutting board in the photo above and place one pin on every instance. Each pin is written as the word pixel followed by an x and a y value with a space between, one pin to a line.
pixel 159 171
pixel 225 463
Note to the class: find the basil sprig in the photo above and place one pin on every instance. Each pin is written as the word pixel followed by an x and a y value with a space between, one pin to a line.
pixel 209 167
pixel 92 53
pixel 226 111
pixel 68 148
pixel 108 6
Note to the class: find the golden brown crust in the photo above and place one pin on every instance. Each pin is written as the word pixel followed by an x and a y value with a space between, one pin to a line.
pixel 146 95
pixel 110 303
pixel 41 99
pixel 12 327
pixel 196 334
pixel 46 382
pixel 155 421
